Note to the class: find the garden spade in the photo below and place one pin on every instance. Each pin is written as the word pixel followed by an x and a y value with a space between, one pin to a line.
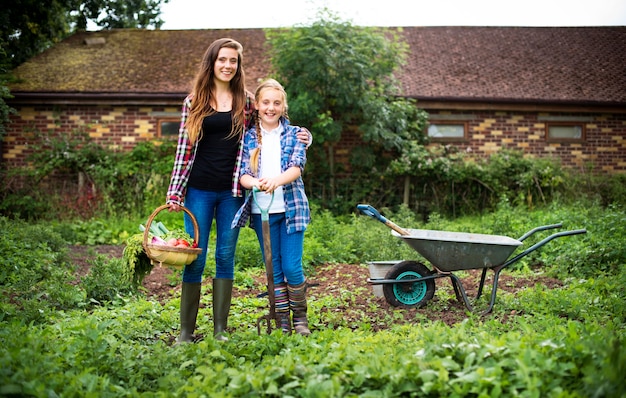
pixel 269 268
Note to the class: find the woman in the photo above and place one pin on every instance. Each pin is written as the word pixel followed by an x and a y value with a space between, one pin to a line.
pixel 205 175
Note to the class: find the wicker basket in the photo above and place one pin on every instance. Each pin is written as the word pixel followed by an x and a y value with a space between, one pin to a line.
pixel 170 256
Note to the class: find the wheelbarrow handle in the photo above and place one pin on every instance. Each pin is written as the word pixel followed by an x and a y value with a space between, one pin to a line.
pixel 542 228
pixel 541 243
pixel 368 210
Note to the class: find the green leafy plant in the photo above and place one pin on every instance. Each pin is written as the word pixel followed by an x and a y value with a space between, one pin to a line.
pixel 35 272
pixel 136 261
pixel 108 281
pixel 564 341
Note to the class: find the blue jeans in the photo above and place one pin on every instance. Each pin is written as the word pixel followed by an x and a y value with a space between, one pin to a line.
pixel 206 206
pixel 286 249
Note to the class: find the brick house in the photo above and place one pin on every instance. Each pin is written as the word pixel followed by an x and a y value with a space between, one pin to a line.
pixel 557 92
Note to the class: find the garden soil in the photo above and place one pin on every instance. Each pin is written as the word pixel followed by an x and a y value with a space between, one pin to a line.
pixel 341 280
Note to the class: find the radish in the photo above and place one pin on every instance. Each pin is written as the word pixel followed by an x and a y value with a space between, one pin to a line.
pixel 158 241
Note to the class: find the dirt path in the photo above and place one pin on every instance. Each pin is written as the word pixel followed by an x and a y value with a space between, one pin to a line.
pixel 337 279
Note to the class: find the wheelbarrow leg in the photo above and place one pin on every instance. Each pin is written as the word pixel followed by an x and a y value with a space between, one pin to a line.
pixel 458 288
pixel 534 247
pixel 494 289
pixel 482 283
pixel 457 291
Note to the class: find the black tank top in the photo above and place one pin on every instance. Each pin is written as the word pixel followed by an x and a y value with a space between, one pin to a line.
pixel 215 159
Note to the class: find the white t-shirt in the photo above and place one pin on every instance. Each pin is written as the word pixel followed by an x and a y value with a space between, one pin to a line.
pixel 270 167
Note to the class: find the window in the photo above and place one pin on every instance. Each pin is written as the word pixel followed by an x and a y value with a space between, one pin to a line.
pixel 565 132
pixel 168 127
pixel 447 131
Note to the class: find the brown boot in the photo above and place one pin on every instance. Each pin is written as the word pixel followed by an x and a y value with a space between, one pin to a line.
pixel 297 302
pixel 282 307
pixel 189 303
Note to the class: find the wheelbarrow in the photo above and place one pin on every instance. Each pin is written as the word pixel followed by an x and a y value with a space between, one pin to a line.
pixel 412 284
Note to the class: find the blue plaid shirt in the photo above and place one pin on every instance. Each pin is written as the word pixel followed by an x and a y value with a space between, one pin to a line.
pixel 293 153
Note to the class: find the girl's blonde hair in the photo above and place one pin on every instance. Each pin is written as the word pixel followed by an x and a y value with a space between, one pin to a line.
pixel 204 91
pixel 265 85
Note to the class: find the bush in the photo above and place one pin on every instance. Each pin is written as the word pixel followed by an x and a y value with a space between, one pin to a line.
pixel 74 178
pixel 107 280
pixel 598 252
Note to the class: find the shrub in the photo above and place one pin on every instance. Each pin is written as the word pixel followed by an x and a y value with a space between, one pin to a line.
pixel 107 280
pixel 73 177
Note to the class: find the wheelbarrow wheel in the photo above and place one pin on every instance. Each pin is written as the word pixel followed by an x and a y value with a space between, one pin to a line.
pixel 415 294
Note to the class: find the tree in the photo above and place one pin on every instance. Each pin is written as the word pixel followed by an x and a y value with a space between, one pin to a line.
pixel 5 109
pixel 117 14
pixel 338 77
pixel 28 27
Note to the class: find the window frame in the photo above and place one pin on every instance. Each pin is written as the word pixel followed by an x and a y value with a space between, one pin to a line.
pixel 583 132
pixel 443 122
pixel 167 120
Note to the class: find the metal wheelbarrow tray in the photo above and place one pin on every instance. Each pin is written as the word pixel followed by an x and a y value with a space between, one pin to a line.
pixel 412 284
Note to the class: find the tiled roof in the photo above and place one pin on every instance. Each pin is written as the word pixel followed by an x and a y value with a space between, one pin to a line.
pixel 527 64
pixel 129 61
pixel 520 64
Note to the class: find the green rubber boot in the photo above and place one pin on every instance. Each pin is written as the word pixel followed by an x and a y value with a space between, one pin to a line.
pixel 189 303
pixel 222 294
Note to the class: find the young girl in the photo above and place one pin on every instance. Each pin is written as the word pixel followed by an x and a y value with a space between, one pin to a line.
pixel 273 161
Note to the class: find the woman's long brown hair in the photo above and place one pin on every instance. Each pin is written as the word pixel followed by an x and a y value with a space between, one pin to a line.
pixel 204 91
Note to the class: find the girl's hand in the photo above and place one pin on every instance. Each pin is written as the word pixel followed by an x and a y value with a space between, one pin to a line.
pixel 268 184
pixel 257 183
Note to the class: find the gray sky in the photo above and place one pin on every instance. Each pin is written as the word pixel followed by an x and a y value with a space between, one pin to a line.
pixel 211 14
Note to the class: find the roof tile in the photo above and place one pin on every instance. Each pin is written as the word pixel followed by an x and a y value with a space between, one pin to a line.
pixel 578 64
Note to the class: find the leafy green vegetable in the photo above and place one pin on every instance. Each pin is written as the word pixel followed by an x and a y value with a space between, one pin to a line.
pixel 178 233
pixel 162 228
pixel 137 263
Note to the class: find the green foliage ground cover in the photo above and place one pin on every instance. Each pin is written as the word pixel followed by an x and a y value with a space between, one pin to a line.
pixel 102 338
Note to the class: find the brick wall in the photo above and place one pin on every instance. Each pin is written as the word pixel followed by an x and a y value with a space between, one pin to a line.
pixel 121 127
pixel 604 146
pixel 118 128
